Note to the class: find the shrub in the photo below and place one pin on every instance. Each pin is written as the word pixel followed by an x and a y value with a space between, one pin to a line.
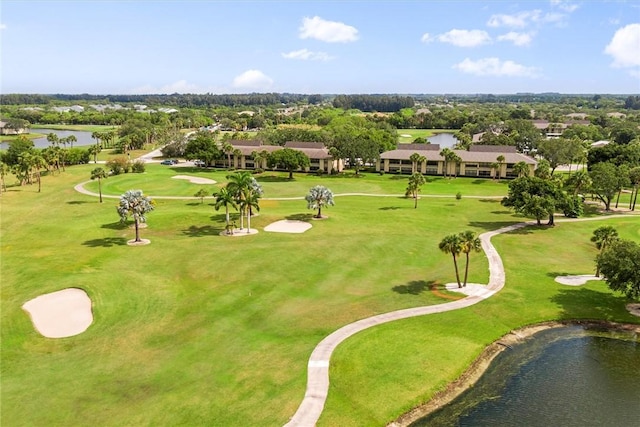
pixel 119 165
pixel 458 195
pixel 138 166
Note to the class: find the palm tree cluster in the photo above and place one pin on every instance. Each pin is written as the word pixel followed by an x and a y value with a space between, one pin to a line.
pixel 455 244
pixel 243 193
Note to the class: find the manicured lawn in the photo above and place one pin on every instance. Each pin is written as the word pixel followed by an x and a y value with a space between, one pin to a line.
pixel 156 181
pixel 199 329
pixel 86 128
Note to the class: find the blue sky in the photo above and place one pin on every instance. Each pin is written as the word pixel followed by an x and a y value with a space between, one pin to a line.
pixel 339 46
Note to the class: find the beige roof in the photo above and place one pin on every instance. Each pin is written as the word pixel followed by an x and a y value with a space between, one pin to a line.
pixel 314 150
pixel 466 156
pixel 419 147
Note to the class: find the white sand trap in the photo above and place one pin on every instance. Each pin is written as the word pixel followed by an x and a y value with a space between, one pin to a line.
pixel 634 308
pixel 60 314
pixel 405 135
pixel 195 179
pixel 288 226
pixel 141 242
pixel 239 232
pixel 576 280
pixel 472 289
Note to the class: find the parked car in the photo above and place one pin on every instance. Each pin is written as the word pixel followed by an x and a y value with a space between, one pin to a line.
pixel 175 161
pixel 167 162
pixel 199 163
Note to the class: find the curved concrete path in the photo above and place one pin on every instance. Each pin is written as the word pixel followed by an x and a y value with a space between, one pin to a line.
pixel 312 405
pixel 315 396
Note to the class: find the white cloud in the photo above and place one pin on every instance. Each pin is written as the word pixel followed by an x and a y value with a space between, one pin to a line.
pixel 252 80
pixel 518 20
pixel 465 38
pixel 624 47
pixel 495 67
pixel 518 39
pixel 3 26
pixel 565 5
pixel 305 54
pixel 426 38
pixel 327 31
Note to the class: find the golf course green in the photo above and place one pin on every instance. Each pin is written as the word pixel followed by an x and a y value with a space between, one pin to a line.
pixel 201 329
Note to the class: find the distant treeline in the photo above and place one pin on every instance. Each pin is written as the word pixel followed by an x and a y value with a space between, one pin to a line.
pixel 179 100
pixel 369 103
pixel 373 102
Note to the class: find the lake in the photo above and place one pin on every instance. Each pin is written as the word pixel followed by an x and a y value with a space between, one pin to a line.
pixel 445 140
pixel 569 376
pixel 83 138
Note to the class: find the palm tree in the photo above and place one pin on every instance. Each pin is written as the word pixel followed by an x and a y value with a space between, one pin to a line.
pixel 416 180
pixel 227 149
pixel 452 244
pixel 225 198
pixel 500 159
pixel 134 203
pixel 239 186
pixel 521 169
pixel 53 139
pixel 469 243
pixel 415 157
pixel 454 158
pixel 71 139
pixel 96 149
pixel 4 170
pixel 247 205
pixel 99 174
pixel 335 158
pixel 318 197
pixel 446 154
pixel 603 237
pixel 494 169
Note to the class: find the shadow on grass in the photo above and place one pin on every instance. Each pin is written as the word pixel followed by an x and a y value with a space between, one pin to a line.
pixel 300 217
pixel 272 178
pixel 554 274
pixel 415 287
pixel 576 302
pixel 392 208
pixel 116 225
pixel 206 230
pixel 107 242
pixel 489 201
pixel 77 202
pixel 501 212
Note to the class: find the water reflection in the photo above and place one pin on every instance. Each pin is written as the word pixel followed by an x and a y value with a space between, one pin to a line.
pixel 561 377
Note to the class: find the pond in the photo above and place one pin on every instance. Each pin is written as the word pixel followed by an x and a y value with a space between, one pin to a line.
pixel 83 138
pixel 569 376
pixel 445 140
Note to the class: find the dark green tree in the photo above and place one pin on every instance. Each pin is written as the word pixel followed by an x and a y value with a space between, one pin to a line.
pixel 288 159
pixel 620 266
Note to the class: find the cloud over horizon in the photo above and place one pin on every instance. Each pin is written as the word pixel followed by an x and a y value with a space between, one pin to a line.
pixel 252 80
pixel 496 68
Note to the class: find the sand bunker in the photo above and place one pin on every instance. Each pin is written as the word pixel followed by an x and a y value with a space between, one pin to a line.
pixel 288 226
pixel 60 314
pixel 194 179
pixel 576 280
pixel 405 135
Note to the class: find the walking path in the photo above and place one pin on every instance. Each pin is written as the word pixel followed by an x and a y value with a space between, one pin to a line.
pixel 315 396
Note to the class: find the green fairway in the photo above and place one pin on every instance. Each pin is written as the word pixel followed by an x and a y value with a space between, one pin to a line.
pixel 156 181
pixel 200 329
